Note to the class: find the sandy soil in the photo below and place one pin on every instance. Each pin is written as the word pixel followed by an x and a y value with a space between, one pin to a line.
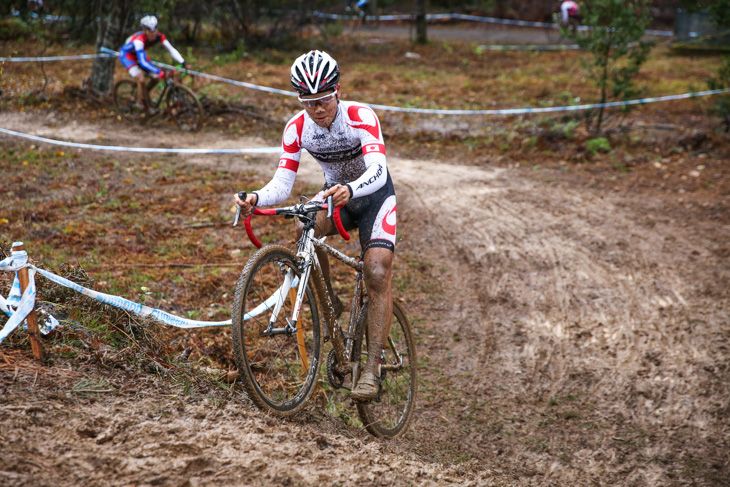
pixel 582 339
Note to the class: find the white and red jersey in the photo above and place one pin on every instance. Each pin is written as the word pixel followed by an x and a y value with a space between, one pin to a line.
pixel 351 151
pixel 568 9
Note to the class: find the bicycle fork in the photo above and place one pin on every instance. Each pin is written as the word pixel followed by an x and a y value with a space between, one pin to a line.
pixel 287 290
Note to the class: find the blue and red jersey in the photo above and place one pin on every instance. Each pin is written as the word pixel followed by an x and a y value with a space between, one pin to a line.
pixel 134 51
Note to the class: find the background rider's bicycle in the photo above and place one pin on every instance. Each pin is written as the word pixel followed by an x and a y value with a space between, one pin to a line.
pixel 282 314
pixel 167 97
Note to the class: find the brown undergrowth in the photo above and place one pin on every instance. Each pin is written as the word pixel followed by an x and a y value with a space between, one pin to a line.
pixel 569 298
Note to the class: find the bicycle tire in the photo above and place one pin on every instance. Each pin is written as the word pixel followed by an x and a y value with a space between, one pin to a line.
pixel 184 108
pixel 271 367
pixel 126 100
pixel 388 415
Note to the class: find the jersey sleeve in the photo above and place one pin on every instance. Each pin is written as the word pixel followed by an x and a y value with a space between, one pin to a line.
pixel 173 52
pixel 367 126
pixel 280 186
pixel 142 58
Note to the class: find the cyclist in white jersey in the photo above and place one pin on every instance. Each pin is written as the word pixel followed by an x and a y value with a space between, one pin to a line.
pixel 570 14
pixel 346 139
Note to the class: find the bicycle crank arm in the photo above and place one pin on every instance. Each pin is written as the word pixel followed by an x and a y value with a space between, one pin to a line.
pixel 395 367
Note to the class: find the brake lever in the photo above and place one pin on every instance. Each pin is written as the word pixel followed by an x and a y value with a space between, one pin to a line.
pixel 330 206
pixel 242 197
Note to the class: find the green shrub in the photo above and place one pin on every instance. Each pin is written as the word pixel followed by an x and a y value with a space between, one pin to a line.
pixel 600 144
pixel 14 29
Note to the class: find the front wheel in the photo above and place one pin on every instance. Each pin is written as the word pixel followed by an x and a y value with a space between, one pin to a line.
pixel 389 414
pixel 127 101
pixel 277 358
pixel 185 108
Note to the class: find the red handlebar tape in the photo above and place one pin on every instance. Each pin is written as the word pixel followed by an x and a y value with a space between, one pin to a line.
pixel 271 211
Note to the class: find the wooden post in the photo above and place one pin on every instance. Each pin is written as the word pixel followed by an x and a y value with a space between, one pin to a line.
pixel 32 319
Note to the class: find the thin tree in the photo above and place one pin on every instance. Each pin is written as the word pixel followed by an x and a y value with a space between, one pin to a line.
pixel 612 37
pixel 113 20
pixel 420 20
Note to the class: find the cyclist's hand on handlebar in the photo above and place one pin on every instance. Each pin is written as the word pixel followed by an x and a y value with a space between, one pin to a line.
pixel 246 205
pixel 161 75
pixel 340 194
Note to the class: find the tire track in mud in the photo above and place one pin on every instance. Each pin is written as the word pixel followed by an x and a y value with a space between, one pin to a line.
pixel 559 292
pixel 583 299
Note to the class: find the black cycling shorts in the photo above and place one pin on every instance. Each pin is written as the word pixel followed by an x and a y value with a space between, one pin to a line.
pixel 374 216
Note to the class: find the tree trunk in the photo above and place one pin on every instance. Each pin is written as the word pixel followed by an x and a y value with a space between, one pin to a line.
pixel 420 15
pixel 110 35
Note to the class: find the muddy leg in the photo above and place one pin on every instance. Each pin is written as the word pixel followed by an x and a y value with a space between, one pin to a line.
pixel 378 273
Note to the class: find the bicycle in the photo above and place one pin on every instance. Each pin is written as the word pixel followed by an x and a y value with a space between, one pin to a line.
pixel 174 99
pixel 279 309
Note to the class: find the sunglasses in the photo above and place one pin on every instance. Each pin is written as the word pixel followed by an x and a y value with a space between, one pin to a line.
pixel 315 102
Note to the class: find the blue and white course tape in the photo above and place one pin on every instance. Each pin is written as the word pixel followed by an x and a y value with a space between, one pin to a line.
pixel 18 306
pixel 24 305
pixel 509 111
pixel 474 18
pixel 53 58
pixel 260 150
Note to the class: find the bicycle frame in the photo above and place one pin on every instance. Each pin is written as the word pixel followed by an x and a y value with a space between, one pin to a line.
pixel 311 270
pixel 155 103
pixel 168 83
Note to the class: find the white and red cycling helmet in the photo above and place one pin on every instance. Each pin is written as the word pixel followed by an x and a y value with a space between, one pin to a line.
pixel 148 22
pixel 314 72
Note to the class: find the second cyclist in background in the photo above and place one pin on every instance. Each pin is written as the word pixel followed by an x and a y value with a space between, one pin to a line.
pixel 359 7
pixel 133 55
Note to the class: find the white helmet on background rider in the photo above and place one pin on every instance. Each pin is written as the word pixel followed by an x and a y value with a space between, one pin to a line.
pixel 148 22
pixel 314 73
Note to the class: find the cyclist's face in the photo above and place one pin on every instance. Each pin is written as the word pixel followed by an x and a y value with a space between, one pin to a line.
pixel 150 34
pixel 322 108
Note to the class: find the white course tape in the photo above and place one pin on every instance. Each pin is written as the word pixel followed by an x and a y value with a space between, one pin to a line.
pixel 19 260
pixel 53 58
pixel 260 150
pixel 509 111
pixel 474 18
pixel 528 47
pixel 516 111
pixel 131 306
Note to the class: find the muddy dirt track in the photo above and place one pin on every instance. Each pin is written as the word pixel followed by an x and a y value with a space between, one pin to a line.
pixel 581 338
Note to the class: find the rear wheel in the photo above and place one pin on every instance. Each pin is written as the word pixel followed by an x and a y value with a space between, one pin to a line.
pixel 184 108
pixel 389 414
pixel 278 368
pixel 126 99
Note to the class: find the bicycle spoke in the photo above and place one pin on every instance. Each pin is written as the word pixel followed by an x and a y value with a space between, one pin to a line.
pixel 127 101
pixel 389 414
pixel 271 364
pixel 184 108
